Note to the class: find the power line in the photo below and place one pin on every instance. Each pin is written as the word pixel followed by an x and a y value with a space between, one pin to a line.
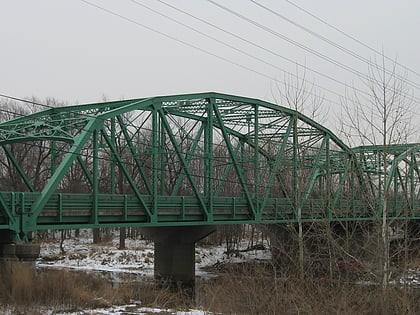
pixel 334 44
pixel 178 40
pixel 213 54
pixel 227 44
pixel 25 101
pixel 349 36
pixel 289 40
pixel 293 42
pixel 268 50
pixel 188 44
pixel 273 53
pixel 218 56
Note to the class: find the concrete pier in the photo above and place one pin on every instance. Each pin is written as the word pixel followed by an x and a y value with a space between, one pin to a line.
pixel 11 251
pixel 175 253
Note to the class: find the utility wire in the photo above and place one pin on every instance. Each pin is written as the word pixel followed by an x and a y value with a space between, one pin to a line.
pixel 132 21
pixel 289 40
pixel 26 101
pixel 261 47
pixel 333 79
pixel 229 45
pixel 349 36
pixel 173 38
pixel 220 57
pixel 334 44
pixel 295 43
pixel 179 40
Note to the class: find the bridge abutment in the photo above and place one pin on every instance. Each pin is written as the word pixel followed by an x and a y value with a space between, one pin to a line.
pixel 175 253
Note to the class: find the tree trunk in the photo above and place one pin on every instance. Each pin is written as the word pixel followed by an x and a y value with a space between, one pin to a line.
pixel 96 235
pixel 122 238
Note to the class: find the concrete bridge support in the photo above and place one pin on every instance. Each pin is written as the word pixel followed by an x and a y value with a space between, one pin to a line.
pixel 11 252
pixel 175 253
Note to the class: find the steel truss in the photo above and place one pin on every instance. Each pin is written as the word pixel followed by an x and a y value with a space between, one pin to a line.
pixel 194 159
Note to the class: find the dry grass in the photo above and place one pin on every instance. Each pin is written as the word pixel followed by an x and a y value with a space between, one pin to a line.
pixel 27 291
pixel 24 287
pixel 258 290
pixel 240 289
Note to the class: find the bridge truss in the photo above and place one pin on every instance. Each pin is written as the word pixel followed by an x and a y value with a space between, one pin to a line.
pixel 197 159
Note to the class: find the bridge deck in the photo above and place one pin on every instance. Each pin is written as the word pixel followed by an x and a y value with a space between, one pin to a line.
pixel 65 210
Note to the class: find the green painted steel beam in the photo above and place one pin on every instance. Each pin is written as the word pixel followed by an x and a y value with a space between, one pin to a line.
pixel 19 169
pixel 133 153
pixel 235 163
pixel 61 170
pixel 152 216
pixel 194 185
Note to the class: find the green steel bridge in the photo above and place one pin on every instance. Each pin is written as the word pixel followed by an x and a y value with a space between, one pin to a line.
pixel 193 160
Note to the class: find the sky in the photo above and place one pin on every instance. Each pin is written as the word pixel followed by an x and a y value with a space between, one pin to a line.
pixel 84 51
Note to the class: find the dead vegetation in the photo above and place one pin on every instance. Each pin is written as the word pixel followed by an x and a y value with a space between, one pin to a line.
pixel 259 290
pixel 239 289
pixel 25 290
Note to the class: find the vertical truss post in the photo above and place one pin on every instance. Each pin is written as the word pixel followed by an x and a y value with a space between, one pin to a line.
pixel 112 161
pixel 163 158
pixel 95 171
pixel 256 163
pixel 396 187
pixel 208 158
pixel 155 157
pixel 412 188
pixel 381 184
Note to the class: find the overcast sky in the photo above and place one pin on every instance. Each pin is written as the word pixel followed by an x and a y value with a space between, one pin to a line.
pixel 85 51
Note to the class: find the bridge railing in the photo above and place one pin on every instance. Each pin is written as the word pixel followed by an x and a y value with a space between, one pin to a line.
pixel 63 210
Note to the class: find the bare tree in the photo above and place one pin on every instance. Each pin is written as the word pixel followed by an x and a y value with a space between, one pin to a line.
pixel 300 95
pixel 380 115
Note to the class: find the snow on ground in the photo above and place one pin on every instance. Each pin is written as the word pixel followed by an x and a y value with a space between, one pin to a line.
pixel 133 309
pixel 129 309
pixel 137 258
pixel 81 254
